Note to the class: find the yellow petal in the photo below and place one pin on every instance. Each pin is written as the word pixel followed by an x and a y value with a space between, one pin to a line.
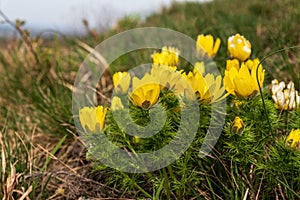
pixel 205 45
pixel 136 98
pixel 229 85
pixel 216 46
pixel 244 72
pixel 88 118
pixel 239 47
pixel 232 63
pixel 145 91
pixel 200 67
pixel 116 103
pixel 121 81
pixel 243 87
pixel 237 126
pixel 168 56
pixel 100 113
pixel 293 139
pixel 229 77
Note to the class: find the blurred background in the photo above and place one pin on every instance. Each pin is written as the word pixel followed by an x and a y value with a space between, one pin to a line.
pixel 66 16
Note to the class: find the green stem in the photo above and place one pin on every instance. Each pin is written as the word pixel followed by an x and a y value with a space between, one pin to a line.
pixel 137 186
pixel 142 190
pixel 167 183
pixel 286 121
pixel 170 170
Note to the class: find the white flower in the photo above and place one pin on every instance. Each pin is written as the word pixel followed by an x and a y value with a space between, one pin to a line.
pixel 285 97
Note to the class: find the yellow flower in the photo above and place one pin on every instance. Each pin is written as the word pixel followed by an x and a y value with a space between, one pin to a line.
pixel 239 47
pixel 206 45
pixel 293 139
pixel 183 87
pixel 168 77
pixel 145 91
pixel 92 117
pixel 169 56
pixel 232 63
pixel 237 126
pixel 285 97
pixel 136 139
pixel 121 81
pixel 207 88
pixel 237 103
pixel 241 81
pixel 200 67
pixel 116 104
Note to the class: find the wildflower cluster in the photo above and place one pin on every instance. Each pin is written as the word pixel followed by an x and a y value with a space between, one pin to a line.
pixel 243 79
pixel 253 131
pixel 240 74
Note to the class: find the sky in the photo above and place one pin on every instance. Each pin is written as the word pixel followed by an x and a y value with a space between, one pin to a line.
pixel 67 15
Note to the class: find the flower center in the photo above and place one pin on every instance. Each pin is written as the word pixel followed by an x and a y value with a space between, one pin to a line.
pixel 146 104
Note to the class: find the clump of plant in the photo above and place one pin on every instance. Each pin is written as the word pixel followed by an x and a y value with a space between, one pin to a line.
pixel 257 152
